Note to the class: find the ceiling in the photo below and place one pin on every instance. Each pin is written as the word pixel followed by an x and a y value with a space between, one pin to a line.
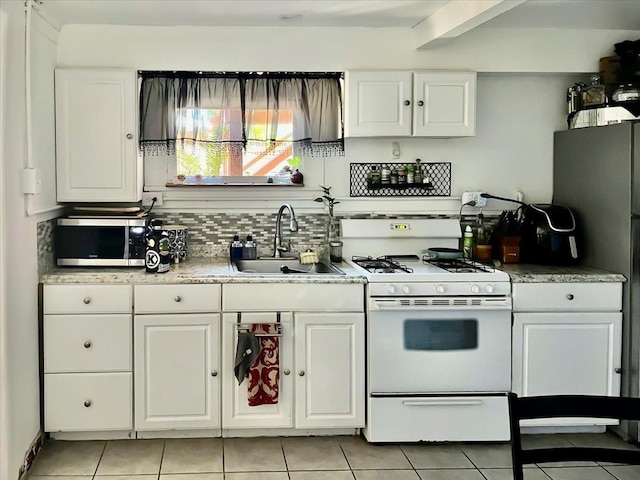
pixel 578 14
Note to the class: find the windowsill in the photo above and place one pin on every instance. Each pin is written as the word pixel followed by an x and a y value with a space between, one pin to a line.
pixel 234 184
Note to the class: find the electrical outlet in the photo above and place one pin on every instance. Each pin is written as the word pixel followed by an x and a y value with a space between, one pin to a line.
pixel 147 199
pixel 474 197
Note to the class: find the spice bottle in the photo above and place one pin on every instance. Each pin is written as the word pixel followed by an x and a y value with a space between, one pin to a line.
pixel 235 249
pixel 402 175
pixel 385 175
pixel 410 174
pixel 374 177
pixel 417 174
pixel 394 176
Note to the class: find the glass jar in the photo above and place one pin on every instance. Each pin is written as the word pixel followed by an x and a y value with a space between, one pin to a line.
pixel 402 175
pixel 374 177
pixel 335 251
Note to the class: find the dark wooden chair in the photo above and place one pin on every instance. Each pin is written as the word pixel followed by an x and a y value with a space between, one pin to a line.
pixel 524 408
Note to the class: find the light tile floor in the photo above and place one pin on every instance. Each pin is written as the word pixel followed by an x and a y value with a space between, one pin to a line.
pixel 311 458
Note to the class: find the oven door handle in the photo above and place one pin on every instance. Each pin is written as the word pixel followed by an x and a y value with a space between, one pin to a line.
pixel 439 402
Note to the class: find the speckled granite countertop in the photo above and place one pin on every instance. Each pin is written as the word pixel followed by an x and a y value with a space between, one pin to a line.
pixel 529 273
pixel 193 270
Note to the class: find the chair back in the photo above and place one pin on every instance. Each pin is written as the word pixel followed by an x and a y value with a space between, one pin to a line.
pixel 555 406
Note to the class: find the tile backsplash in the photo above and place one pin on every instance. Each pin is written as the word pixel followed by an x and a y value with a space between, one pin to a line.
pixel 209 234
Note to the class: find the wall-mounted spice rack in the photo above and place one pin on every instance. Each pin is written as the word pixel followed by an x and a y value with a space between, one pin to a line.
pixel 438 173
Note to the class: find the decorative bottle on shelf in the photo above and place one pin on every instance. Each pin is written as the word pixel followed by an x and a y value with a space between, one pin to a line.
pixel 402 175
pixel 394 176
pixel 235 249
pixel 385 175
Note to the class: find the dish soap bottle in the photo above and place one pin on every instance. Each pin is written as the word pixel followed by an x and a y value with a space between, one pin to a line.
pixel 235 250
pixel 467 243
pixel 249 251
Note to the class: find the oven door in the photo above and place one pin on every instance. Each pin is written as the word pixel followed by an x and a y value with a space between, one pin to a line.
pixel 418 350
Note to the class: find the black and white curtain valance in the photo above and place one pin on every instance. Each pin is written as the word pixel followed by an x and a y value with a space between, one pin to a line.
pixel 251 109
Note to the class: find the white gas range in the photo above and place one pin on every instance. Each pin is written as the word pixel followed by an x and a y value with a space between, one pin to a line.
pixel 438 334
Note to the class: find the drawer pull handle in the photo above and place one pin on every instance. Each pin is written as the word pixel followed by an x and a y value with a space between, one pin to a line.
pixel 618 370
pixel 87 344
pixel 178 298
pixel 129 136
pixel 570 296
pixel 87 403
pixel 440 403
pixel 214 373
pixel 420 103
pixel 86 300
pixel 286 371
pixel 301 373
pixel 407 103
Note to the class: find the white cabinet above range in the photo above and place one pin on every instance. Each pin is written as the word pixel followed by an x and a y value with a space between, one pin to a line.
pixel 404 103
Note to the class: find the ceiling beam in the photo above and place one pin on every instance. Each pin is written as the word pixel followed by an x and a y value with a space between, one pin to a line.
pixel 456 18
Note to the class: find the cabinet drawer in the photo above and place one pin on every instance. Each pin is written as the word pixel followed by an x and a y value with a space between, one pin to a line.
pixel 414 419
pixel 179 298
pixel 87 343
pixel 87 401
pixel 299 297
pixel 87 299
pixel 567 296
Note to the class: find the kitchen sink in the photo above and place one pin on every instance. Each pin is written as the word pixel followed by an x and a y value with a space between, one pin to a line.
pixel 284 266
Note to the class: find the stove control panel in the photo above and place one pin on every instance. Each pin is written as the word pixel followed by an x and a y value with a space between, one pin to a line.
pixel 397 289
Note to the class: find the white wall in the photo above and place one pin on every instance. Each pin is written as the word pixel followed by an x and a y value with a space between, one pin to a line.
pixel 19 321
pixel 517 111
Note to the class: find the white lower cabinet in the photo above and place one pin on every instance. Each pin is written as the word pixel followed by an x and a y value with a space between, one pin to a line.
pixel 176 371
pixel 329 363
pixel 567 340
pixel 177 356
pixel 87 358
pixel 320 386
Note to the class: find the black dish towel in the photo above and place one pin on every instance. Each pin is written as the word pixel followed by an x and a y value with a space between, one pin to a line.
pixel 247 351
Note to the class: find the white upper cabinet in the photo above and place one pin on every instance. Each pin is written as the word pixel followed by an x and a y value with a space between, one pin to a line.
pixel 401 103
pixel 97 156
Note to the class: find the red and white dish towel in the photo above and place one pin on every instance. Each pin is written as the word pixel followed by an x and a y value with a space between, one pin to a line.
pixel 264 373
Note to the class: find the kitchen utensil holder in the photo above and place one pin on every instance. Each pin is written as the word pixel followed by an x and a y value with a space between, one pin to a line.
pixel 439 173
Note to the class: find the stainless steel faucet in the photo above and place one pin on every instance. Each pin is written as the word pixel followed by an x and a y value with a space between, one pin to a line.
pixel 278 247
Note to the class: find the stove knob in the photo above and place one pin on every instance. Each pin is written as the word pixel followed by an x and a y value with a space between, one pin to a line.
pixel 406 289
pixel 475 289
pixel 488 288
pixel 440 288
pixel 391 288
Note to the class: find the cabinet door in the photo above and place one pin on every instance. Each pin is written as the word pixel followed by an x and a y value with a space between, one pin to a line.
pixel 176 360
pixel 567 353
pixel 444 104
pixel 96 136
pixel 329 362
pixel 236 412
pixel 378 104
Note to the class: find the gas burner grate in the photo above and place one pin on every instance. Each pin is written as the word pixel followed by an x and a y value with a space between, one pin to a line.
pixel 384 264
pixel 457 266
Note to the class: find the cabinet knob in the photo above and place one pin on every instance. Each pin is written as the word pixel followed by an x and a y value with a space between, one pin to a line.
pixel 87 344
pixel 618 370
pixel 86 300
pixel 129 136
pixel 286 371
pixel 178 298
pixel 87 403
pixel 570 297
pixel 214 373
pixel 301 373
pixel 407 103
pixel 420 103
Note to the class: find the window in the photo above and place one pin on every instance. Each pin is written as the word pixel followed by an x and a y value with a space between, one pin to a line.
pixel 258 125
pixel 210 159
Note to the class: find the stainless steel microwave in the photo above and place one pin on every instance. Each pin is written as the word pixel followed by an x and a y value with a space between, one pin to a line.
pixel 101 242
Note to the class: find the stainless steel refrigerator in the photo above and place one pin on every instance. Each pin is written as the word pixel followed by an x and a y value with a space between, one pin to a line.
pixel 596 173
